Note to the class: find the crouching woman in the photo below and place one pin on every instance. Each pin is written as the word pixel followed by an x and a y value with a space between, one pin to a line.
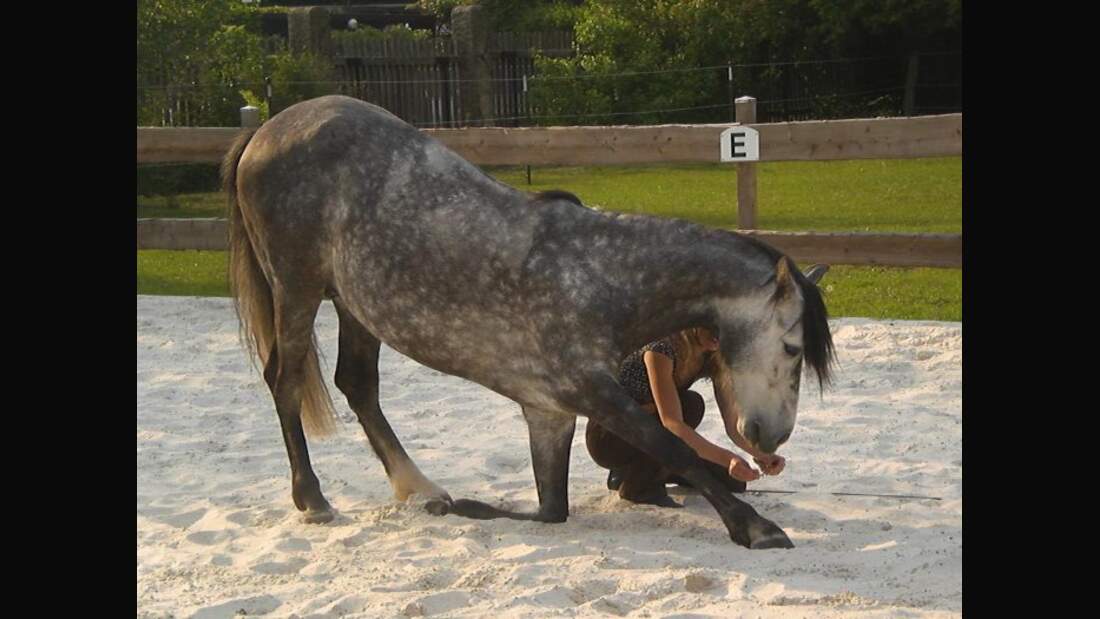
pixel 658 377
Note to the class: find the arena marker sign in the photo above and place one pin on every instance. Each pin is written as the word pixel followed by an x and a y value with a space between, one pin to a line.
pixel 740 144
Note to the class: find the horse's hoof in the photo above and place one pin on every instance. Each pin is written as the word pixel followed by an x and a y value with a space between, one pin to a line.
pixel 318 516
pixel 438 507
pixel 756 532
pixel 773 541
pixel 614 480
pixel 766 534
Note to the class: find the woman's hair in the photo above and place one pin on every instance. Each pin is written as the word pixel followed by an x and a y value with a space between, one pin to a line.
pixel 689 344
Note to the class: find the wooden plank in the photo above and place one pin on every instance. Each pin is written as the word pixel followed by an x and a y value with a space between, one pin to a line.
pixel 205 233
pixel 184 144
pixel 867 248
pixel 879 138
pixel 883 138
pixel 905 250
pixel 889 138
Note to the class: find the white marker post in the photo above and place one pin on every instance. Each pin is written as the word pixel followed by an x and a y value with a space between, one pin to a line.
pixel 741 145
pixel 250 116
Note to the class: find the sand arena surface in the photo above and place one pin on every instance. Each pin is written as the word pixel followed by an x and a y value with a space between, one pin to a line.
pixel 218 535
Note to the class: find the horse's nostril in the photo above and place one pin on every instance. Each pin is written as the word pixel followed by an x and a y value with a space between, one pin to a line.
pixel 753 431
pixel 784 438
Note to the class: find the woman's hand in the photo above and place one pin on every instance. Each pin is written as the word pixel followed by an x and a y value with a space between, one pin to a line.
pixel 741 470
pixel 771 464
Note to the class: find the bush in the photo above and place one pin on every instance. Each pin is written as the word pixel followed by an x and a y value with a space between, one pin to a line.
pixel 368 33
pixel 298 77
pixel 170 180
pixel 193 60
pixel 662 37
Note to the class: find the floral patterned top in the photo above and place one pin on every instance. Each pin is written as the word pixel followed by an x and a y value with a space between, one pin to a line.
pixel 633 375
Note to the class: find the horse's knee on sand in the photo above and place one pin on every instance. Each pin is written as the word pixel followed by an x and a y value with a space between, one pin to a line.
pixel 407 480
pixel 469 508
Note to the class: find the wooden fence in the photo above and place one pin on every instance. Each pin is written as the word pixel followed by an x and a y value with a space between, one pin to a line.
pixel 887 138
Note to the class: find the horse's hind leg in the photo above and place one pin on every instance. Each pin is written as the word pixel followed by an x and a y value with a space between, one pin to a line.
pixel 357 378
pixel 285 373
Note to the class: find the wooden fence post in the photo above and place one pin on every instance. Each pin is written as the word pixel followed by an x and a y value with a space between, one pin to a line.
pixel 471 40
pixel 910 105
pixel 746 172
pixel 268 96
pixel 308 30
pixel 250 117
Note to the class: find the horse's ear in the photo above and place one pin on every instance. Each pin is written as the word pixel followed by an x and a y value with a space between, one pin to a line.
pixel 816 272
pixel 784 282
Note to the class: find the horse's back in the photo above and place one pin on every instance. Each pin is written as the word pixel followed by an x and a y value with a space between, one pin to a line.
pixel 349 155
pixel 312 142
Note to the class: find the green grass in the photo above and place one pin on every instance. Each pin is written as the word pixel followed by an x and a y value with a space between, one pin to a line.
pixel 888 195
pixel 919 195
pixel 903 294
pixel 183 273
pixel 187 206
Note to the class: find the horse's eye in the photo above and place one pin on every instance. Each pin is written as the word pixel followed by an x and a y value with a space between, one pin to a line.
pixel 793 351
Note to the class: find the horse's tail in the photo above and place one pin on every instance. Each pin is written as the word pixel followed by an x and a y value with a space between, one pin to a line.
pixel 255 306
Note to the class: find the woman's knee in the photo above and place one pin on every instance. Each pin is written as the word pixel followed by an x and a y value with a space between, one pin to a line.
pixel 692 408
pixel 606 449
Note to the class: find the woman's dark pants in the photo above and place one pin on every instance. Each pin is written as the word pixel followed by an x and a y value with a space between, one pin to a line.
pixel 643 478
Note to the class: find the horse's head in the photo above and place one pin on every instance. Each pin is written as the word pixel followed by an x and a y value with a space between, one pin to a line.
pixel 765 337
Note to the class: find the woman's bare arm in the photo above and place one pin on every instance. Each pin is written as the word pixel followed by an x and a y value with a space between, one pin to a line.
pixel 665 396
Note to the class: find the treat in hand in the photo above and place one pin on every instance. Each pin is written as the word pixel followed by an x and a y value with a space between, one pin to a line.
pixel 771 464
pixel 742 471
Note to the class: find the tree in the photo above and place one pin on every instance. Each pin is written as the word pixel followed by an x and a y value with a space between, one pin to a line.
pixel 193 60
pixel 664 39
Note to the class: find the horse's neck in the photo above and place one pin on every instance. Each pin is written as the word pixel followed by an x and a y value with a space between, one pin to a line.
pixel 659 313
pixel 686 279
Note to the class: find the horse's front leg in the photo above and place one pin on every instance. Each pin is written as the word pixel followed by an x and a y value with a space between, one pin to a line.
pixel 551 435
pixel 551 441
pixel 605 402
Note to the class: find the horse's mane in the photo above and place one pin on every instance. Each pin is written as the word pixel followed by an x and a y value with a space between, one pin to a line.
pixel 816 338
pixel 556 194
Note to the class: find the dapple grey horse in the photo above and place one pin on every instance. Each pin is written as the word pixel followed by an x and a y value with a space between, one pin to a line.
pixel 537 298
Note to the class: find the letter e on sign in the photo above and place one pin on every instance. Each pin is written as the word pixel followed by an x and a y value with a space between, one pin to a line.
pixel 740 144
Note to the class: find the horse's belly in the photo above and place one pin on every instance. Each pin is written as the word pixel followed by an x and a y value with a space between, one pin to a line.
pixel 461 338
